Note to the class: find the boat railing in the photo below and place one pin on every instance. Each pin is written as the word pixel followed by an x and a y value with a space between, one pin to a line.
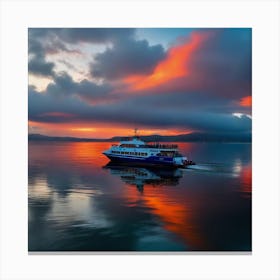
pixel 150 145
pixel 161 146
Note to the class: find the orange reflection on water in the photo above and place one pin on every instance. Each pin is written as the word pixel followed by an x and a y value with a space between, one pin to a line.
pixel 177 217
pixel 88 153
pixel 246 179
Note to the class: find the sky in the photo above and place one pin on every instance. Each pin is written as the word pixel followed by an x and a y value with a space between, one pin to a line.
pixel 104 82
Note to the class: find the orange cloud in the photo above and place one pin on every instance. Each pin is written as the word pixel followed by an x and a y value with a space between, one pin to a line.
pixel 174 66
pixel 246 101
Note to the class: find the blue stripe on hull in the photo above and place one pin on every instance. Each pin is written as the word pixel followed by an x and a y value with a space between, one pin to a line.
pixel 143 161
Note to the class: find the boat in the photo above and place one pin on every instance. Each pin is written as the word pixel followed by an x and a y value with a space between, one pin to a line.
pixel 138 152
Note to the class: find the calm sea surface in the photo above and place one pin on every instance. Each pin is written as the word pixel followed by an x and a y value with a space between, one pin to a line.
pixel 77 203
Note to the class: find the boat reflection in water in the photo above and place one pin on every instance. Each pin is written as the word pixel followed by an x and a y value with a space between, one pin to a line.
pixel 167 206
pixel 141 176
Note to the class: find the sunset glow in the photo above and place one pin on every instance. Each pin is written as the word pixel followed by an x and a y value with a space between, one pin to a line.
pixel 101 83
pixel 173 66
pixel 246 101
pixel 84 129
pixel 99 130
pixel 139 140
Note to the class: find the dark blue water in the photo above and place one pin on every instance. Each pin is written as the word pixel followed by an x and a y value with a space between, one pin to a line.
pixel 77 202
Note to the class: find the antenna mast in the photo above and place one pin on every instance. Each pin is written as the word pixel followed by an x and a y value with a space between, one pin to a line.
pixel 135 132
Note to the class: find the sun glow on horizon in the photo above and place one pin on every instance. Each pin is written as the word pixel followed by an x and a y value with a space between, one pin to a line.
pixel 83 129
pixel 98 130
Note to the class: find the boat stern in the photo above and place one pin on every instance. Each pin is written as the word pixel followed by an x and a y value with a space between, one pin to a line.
pixel 182 161
pixel 179 161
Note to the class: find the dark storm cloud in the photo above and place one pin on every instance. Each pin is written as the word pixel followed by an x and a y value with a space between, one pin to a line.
pixel 93 35
pixel 52 40
pixel 219 66
pixel 37 64
pixel 127 57
pixel 223 63
pixel 65 96
pixel 64 86
pixel 90 35
pixel 132 112
pixel 40 104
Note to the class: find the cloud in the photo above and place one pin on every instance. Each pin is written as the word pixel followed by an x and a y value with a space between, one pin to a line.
pixel 173 66
pixel 126 57
pixel 223 63
pixel 65 100
pixel 64 86
pixel 131 112
pixel 246 101
pixel 43 41
pixel 37 63
pixel 77 35
pixel 214 61
pixel 93 35
pixel 68 65
pixel 38 66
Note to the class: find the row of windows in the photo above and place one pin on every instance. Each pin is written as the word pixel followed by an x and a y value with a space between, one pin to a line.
pixel 130 153
pixel 128 145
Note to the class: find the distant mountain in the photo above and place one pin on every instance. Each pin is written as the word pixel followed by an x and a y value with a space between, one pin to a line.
pixel 40 137
pixel 195 137
pixel 192 137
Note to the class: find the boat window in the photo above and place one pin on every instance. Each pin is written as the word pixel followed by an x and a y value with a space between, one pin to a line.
pixel 127 145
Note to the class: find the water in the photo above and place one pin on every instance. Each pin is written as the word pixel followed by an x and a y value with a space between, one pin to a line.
pixel 77 203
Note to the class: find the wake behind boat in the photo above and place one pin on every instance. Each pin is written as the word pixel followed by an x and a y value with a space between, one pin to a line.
pixel 138 152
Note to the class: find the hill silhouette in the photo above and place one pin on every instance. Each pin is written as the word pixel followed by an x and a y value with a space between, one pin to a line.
pixel 192 137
